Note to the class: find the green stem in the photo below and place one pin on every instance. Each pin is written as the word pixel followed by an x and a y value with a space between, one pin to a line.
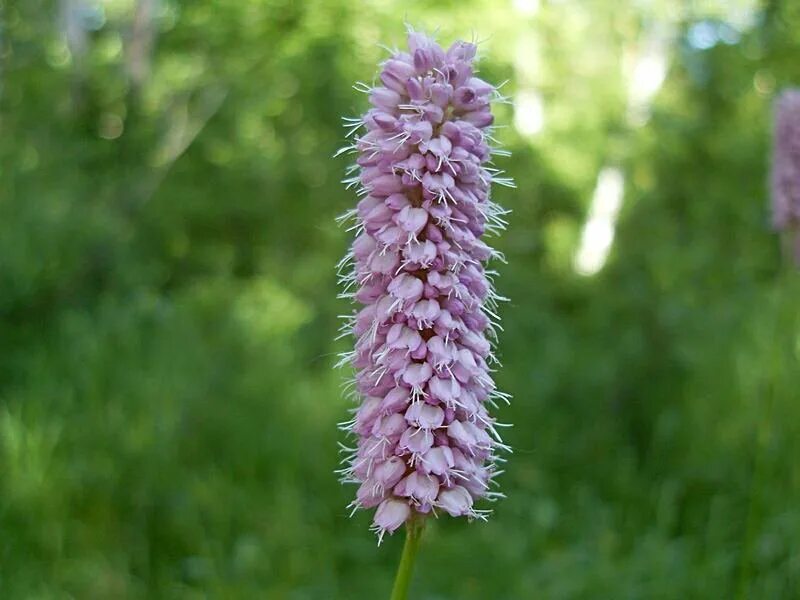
pixel 406 567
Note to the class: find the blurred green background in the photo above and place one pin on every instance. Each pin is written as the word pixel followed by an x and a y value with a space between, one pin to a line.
pixel 168 406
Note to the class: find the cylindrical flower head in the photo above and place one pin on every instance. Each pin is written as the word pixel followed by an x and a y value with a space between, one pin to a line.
pixel 786 168
pixel 426 440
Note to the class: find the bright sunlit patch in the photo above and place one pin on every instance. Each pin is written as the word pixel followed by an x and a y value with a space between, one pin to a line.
pixel 527 60
pixel 526 7
pixel 528 112
pixel 598 232
pixel 646 74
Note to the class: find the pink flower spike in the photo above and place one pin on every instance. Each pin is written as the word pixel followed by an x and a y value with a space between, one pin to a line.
pixel 426 442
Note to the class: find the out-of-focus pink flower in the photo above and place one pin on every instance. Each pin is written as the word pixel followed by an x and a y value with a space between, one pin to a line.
pixel 786 168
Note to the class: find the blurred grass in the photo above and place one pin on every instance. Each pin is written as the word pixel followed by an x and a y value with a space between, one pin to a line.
pixel 167 404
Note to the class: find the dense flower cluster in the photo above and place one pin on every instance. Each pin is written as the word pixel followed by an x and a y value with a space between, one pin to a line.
pixel 425 438
pixel 786 168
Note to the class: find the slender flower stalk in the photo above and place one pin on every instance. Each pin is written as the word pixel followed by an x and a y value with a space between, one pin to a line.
pixel 786 170
pixel 425 439
pixel 406 567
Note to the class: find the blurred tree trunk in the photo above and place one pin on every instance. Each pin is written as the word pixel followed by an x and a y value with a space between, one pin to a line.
pixel 72 28
pixel 138 56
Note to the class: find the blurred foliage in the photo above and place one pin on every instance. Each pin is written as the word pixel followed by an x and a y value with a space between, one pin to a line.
pixel 167 244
